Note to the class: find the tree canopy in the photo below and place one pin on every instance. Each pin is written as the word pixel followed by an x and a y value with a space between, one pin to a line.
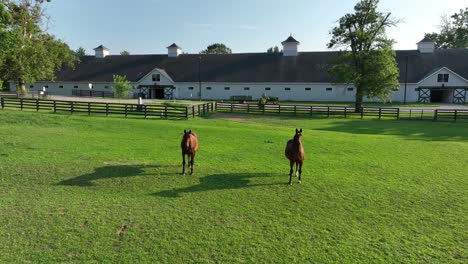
pixel 217 48
pixel 124 53
pixel 121 86
pixel 32 53
pixel 274 49
pixel 454 31
pixel 80 52
pixel 367 59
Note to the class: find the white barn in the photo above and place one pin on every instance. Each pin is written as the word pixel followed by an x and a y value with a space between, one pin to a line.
pixel 426 75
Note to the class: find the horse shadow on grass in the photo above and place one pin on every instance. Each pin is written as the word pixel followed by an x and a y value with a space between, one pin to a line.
pixel 218 182
pixel 109 172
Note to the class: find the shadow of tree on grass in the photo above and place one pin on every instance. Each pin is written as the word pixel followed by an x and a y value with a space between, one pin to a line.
pixel 108 172
pixel 220 182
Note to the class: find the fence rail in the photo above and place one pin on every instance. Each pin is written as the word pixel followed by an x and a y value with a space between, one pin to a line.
pixel 344 111
pixel 91 93
pixel 146 111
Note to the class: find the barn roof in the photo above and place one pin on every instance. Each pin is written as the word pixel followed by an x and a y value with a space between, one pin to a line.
pixel 307 67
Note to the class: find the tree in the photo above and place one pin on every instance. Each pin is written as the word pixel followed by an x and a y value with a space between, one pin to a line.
pixel 80 52
pixel 217 48
pixel 274 49
pixel 453 31
pixel 5 38
pixel 124 53
pixel 121 86
pixel 368 59
pixel 33 54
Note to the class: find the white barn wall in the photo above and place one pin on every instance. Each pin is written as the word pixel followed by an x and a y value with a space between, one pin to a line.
pixel 454 80
pixel 318 92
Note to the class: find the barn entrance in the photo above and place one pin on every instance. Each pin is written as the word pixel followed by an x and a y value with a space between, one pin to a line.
pixel 156 91
pixel 441 95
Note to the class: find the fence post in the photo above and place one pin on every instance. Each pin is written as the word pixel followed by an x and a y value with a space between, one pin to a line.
pixel 186 112
pixel 345 112
pixel 215 106
pixel 89 108
pixel 146 111
pixel 380 112
pixel 37 105
pixel 279 109
pixel 295 110
pixel 193 111
pixel 165 111
pixel 248 108
pixel 231 107
pixel 311 110
pixel 398 114
pixel 328 111
pixel 2 102
pixel 203 109
pixel 72 107
pixel 107 109
pixel 436 114
pixel 126 110
pixel 362 112
pixel 199 110
pixel 455 116
pixel 21 103
pixel 55 106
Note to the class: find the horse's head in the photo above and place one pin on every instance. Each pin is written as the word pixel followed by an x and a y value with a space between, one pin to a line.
pixel 186 136
pixel 298 135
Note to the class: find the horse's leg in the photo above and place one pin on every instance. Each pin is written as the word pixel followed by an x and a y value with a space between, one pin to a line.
pixel 192 161
pixel 297 165
pixel 300 172
pixel 183 163
pixel 291 164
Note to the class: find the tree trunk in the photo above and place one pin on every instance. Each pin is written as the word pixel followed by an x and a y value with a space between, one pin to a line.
pixel 359 99
pixel 22 86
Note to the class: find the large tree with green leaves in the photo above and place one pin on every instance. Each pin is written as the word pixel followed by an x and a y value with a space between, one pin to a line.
pixel 453 31
pixel 33 53
pixel 366 59
pixel 217 48
pixel 5 39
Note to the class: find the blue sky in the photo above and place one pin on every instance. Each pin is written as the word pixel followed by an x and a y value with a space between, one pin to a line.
pixel 149 26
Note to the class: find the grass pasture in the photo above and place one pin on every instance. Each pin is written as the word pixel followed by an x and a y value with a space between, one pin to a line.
pixel 372 192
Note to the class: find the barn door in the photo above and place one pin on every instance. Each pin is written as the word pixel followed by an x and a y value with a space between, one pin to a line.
pixel 424 95
pixel 459 96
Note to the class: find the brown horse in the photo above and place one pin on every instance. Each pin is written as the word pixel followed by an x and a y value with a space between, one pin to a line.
pixel 295 153
pixel 189 147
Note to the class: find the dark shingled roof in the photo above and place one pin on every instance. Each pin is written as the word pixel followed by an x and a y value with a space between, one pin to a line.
pixel 307 67
pixel 290 40
pixel 426 39
pixel 101 47
pixel 174 46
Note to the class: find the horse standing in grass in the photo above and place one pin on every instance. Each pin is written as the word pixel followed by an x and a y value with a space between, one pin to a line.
pixel 295 153
pixel 189 147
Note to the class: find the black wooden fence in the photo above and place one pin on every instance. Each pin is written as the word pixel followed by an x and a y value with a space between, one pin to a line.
pixel 92 93
pixel 344 111
pixel 146 111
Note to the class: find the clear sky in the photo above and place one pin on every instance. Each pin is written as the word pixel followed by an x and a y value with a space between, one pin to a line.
pixel 149 26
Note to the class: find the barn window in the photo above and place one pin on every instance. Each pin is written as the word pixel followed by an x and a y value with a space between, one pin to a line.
pixel 246 88
pixel 308 89
pixel 46 86
pixel 443 78
pixel 287 89
pixel 350 89
pixel 267 88
pixel 76 86
pixel 190 88
pixel 156 77
pixel 329 89
pixel 31 86
pixel 208 88
pixel 60 86
pixel 107 86
pixel 227 88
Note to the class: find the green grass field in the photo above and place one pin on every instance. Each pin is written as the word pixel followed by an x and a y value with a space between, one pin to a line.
pixel 372 192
